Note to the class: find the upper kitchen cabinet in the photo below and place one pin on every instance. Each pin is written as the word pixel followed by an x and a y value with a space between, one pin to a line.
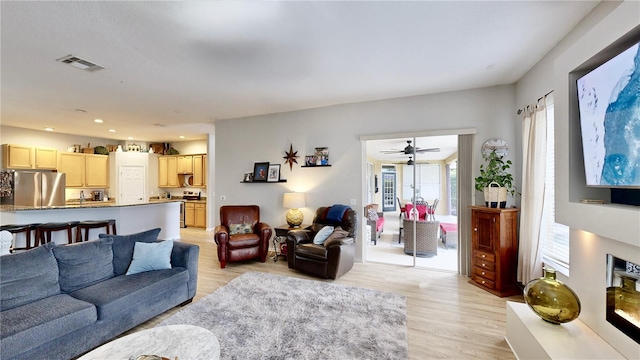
pixel 185 164
pixel 167 171
pixel 28 157
pixel 46 158
pixel 97 171
pixel 198 170
pixel 85 170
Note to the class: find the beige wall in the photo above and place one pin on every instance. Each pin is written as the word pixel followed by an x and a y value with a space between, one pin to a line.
pixel 596 230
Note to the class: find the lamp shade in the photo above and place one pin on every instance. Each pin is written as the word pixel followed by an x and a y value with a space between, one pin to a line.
pixel 293 200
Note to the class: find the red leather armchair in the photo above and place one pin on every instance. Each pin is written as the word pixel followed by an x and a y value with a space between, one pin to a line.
pixel 241 246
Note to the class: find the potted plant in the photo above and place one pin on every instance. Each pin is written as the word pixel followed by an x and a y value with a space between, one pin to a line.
pixel 495 181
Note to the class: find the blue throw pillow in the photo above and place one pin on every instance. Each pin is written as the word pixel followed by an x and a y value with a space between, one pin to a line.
pixel 84 264
pixel 322 235
pixel 151 256
pixel 123 248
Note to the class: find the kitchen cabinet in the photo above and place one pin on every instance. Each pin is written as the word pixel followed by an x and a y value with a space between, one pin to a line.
pixel 201 215
pixel 28 157
pixel 190 214
pixel 494 244
pixel 185 164
pixel 167 171
pixel 84 170
pixel 198 170
pixel 46 158
pixel 195 214
pixel 96 171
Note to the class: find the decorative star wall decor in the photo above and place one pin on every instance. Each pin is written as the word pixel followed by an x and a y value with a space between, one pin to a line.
pixel 290 157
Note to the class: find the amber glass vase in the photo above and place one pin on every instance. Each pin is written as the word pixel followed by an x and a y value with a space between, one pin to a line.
pixel 551 299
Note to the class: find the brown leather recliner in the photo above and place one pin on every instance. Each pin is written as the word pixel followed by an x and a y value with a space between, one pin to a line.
pixel 328 262
pixel 252 244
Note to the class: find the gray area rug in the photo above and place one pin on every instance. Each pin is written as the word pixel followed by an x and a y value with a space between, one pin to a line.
pixel 264 316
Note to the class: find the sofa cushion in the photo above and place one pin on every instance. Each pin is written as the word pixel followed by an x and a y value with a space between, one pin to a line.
pixel 123 247
pixel 113 297
pixel 322 235
pixel 151 256
pixel 335 237
pixel 27 327
pixel 240 229
pixel 28 276
pixel 312 251
pixel 84 264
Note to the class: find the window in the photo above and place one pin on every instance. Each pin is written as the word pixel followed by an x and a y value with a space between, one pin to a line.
pixel 554 235
pixel 427 181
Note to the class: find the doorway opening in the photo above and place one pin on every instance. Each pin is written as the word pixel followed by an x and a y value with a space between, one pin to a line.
pixel 424 173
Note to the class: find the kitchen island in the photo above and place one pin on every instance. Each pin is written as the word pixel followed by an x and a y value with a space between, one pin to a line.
pixel 130 218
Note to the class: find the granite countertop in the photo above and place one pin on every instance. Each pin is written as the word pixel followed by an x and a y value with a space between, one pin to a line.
pixel 85 205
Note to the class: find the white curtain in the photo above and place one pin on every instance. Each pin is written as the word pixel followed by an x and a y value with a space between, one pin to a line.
pixel 534 152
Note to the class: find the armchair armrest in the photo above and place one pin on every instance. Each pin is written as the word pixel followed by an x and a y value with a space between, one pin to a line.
pixel 220 234
pixel 301 236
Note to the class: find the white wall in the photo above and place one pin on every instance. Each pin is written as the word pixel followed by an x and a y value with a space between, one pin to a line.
pixel 242 142
pixel 596 229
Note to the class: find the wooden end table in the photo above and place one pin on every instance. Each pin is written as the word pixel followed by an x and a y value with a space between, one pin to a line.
pixel 281 239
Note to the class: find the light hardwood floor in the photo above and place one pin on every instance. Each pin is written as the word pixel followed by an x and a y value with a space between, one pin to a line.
pixel 447 318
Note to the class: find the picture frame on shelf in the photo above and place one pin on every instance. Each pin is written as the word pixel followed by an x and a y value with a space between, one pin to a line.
pixel 248 177
pixel 273 175
pixel 260 170
pixel 322 156
pixel 310 160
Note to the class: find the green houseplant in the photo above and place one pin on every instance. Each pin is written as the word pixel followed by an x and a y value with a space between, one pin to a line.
pixel 494 180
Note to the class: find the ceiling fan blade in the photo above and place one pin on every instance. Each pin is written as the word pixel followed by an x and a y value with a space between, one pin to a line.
pixel 427 150
pixel 391 151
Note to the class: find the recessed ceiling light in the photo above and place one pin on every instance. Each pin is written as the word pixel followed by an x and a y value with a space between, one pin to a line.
pixel 112 130
pixel 99 121
pixel 48 129
pixel 181 136
pixel 130 138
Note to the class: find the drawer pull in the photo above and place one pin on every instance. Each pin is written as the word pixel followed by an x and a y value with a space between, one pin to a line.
pixel 483 255
pixel 483 282
pixel 484 265
pixel 483 273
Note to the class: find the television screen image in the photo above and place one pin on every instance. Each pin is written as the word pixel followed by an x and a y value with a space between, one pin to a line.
pixel 609 105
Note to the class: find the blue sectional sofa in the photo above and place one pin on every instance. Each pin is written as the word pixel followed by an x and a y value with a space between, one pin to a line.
pixel 59 301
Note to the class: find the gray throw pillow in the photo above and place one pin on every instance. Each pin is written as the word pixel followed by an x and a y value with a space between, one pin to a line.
pixel 28 276
pixel 123 248
pixel 84 264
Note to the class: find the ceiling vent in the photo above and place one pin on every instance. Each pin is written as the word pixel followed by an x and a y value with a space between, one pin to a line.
pixel 79 63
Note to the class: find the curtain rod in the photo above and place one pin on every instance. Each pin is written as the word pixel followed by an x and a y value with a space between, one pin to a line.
pixel 540 98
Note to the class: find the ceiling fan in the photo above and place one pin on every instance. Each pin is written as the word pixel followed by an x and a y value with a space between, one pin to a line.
pixel 409 150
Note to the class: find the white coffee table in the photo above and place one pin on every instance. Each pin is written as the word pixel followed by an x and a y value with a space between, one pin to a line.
pixel 181 341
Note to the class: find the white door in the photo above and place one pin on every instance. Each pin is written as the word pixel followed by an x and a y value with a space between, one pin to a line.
pixel 132 184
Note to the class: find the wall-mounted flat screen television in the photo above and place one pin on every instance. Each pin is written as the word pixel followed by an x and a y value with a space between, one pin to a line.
pixel 609 105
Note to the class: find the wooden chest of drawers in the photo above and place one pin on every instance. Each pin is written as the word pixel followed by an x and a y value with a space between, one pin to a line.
pixel 494 243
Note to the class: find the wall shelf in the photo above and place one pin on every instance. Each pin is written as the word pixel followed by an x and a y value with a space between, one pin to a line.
pixel 264 182
pixel 306 166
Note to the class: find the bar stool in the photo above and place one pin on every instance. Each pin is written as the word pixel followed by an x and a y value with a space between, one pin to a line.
pixel 15 229
pixel 94 224
pixel 43 231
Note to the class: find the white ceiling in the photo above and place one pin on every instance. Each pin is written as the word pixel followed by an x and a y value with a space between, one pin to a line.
pixel 182 65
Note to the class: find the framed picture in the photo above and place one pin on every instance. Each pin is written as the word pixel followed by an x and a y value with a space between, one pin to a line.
pixel 322 156
pixel 310 160
pixel 248 177
pixel 273 174
pixel 260 171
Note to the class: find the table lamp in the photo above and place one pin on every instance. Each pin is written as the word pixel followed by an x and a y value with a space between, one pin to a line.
pixel 293 201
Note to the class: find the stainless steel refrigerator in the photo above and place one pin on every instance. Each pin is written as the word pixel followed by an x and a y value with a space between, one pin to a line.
pixel 32 188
